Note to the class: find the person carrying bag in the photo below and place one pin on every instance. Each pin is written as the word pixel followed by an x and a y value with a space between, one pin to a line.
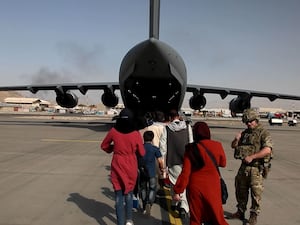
pixel 201 179
pixel 224 191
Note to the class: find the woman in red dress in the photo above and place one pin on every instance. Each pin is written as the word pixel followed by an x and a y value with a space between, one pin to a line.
pixel 124 141
pixel 201 178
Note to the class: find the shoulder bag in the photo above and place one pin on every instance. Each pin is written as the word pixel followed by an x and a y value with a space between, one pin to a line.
pixel 224 191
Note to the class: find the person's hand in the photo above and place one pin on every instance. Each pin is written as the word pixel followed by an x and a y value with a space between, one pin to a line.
pixel 238 136
pixel 176 197
pixel 163 173
pixel 236 139
pixel 248 159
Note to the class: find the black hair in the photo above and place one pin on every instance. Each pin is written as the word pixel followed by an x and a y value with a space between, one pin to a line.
pixel 173 114
pixel 125 126
pixel 159 116
pixel 125 121
pixel 148 135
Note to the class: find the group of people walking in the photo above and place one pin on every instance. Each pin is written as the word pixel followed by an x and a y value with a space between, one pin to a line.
pixel 169 145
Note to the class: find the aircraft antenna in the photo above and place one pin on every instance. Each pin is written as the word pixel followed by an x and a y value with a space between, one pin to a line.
pixel 154 19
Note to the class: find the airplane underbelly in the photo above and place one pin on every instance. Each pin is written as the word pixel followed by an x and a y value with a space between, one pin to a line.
pixel 149 95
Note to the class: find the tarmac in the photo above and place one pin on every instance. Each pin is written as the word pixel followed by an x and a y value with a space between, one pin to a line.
pixel 52 171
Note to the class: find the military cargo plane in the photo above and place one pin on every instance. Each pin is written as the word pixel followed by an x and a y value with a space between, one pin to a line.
pixel 152 77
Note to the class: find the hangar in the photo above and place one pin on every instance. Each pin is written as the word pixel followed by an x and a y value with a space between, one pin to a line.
pixel 20 104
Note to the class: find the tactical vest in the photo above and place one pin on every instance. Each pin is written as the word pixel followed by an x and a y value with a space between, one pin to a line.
pixel 252 141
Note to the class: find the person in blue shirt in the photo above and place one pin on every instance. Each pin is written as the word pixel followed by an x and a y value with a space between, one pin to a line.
pixel 148 181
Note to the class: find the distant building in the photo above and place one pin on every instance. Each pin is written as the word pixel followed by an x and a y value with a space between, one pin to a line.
pixel 24 101
pixel 23 104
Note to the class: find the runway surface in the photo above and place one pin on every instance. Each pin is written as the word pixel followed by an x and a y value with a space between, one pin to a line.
pixel 52 171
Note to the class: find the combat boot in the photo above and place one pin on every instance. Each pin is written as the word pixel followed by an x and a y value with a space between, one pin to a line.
pixel 237 215
pixel 253 218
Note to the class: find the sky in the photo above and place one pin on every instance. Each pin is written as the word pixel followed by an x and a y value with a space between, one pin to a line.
pixel 234 43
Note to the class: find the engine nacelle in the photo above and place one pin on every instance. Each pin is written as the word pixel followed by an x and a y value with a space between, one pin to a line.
pixel 109 99
pixel 197 102
pixel 239 104
pixel 67 99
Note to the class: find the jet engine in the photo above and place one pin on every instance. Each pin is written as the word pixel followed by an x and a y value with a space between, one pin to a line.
pixel 197 102
pixel 66 99
pixel 239 104
pixel 109 98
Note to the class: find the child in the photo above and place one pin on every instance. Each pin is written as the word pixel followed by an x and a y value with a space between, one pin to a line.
pixel 147 178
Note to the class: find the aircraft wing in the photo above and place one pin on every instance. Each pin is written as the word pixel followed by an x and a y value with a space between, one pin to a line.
pixel 224 92
pixel 62 88
pixel 66 98
pixel 239 103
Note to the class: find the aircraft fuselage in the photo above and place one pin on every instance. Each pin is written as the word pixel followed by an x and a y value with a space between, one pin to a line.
pixel 152 77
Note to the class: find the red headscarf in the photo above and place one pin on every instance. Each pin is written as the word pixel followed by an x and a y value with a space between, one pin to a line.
pixel 201 131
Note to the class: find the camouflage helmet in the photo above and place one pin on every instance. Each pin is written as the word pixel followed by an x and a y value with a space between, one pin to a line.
pixel 249 115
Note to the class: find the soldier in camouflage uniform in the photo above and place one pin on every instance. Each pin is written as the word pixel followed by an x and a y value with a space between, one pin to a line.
pixel 253 147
